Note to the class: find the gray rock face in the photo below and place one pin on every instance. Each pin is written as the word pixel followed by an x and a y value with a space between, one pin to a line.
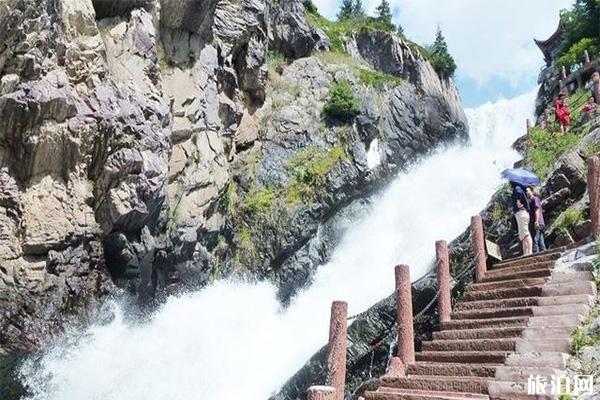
pixel 292 36
pixel 143 144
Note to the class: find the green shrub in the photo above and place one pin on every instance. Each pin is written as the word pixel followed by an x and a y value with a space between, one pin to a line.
pixel 276 61
pixel 545 148
pixel 342 104
pixel 310 168
pixel 574 55
pixel 497 212
pixel 580 338
pixel 571 218
pixel 377 79
pixel 260 201
pixel 310 7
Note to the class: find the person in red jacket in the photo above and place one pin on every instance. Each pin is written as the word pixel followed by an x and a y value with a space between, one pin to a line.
pixel 562 112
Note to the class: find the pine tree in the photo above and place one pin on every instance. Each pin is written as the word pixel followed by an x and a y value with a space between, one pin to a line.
pixel 384 15
pixel 346 10
pixel 400 30
pixel 441 59
pixel 358 11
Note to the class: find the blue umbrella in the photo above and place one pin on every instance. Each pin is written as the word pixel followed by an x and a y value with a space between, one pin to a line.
pixel 521 176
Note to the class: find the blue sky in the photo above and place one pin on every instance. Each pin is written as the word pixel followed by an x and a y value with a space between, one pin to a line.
pixel 491 40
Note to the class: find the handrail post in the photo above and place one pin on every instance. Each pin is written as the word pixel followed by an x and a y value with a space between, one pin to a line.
pixel 336 349
pixel 477 238
pixel 443 280
pixel 404 310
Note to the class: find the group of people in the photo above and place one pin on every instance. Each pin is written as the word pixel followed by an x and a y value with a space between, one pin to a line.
pixel 561 108
pixel 528 211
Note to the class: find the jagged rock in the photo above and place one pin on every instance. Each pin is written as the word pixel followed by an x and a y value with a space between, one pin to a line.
pixel 292 36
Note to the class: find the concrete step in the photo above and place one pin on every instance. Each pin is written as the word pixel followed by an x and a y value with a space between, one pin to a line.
pixel 485 313
pixel 509 284
pixel 485 333
pixel 538 360
pixel 464 357
pixel 501 276
pixel 526 302
pixel 493 294
pixel 386 393
pixel 507 344
pixel 468 384
pixel 558 277
pixel 556 321
pixel 547 331
pixel 508 322
pixel 569 288
pixel 452 369
pixel 545 344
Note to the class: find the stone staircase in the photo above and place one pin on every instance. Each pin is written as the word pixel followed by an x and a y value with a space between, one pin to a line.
pixel 515 322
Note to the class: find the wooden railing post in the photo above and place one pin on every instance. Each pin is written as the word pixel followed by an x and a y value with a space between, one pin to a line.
pixel 443 280
pixel 478 244
pixel 404 310
pixel 336 349
pixel 320 393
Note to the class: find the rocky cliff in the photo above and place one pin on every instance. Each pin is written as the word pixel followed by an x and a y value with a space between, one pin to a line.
pixel 152 146
pixel 560 160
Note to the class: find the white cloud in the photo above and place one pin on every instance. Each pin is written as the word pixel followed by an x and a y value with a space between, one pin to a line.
pixel 489 39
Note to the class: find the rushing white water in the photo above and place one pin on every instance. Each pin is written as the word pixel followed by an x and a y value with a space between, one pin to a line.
pixel 232 340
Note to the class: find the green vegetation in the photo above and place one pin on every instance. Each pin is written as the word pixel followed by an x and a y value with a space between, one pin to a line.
pixel 570 218
pixel 351 10
pixel 276 61
pixel 574 54
pixel 580 23
pixel 384 15
pixel 565 396
pixel 377 79
pixel 310 6
pixel 342 104
pixel 581 338
pixel 310 168
pixel 546 147
pixel 260 201
pixel 440 58
pixel 497 212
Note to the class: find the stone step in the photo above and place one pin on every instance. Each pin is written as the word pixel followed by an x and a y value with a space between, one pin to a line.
pixel 506 344
pixel 497 303
pixel 569 288
pixel 526 302
pixel 511 390
pixel 504 276
pixel 546 331
pixel 563 309
pixel 521 267
pixel 544 344
pixel 559 277
pixel 452 369
pixel 464 357
pixel 509 284
pixel 485 333
pixel 556 321
pixel 527 291
pixel 521 374
pixel 386 393
pixel 550 255
pixel 468 384
pixel 537 359
pixel 509 322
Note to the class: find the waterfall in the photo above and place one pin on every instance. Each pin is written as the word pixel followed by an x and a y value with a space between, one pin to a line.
pixel 233 341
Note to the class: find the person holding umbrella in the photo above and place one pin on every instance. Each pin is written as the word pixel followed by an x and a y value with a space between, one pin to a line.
pixel 537 220
pixel 520 178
